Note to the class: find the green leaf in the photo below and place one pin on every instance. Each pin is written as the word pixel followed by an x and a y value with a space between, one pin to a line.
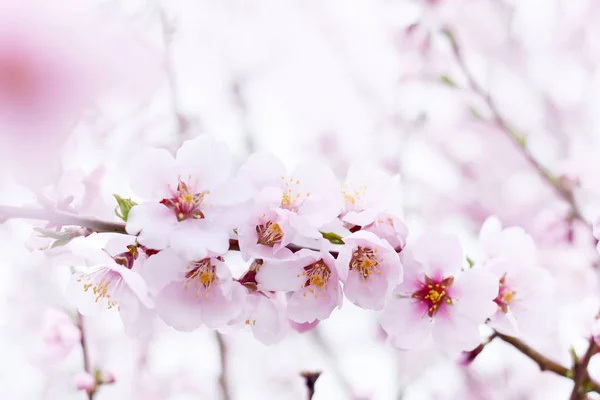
pixel 62 235
pixel 445 79
pixel 333 237
pixel 471 262
pixel 60 242
pixel 123 207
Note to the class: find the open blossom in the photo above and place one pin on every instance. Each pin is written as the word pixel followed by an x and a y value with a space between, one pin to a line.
pixel 113 283
pixel 311 278
pixel 525 289
pixel 190 294
pixel 368 191
pixel 285 205
pixel 59 333
pixel 438 298
pixel 264 314
pixel 184 205
pixel 369 268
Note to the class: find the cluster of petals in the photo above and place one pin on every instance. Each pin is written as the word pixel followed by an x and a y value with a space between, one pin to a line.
pixel 440 296
pixel 309 241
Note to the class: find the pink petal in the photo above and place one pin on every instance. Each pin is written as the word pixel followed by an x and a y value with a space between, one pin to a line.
pixel 163 268
pixel 179 307
pixel 208 162
pixel 405 325
pixel 440 253
pixel 153 222
pixel 280 275
pixel 197 239
pixel 475 290
pixel 262 170
pixel 455 333
pixel 152 170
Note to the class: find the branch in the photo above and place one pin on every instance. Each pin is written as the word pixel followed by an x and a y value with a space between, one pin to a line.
pixel 87 366
pixel 519 141
pixel 60 218
pixel 310 378
pixel 223 380
pixel 546 364
pixel 581 373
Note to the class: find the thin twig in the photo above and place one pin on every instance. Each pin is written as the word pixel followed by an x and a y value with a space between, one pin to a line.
pixel 87 366
pixel 333 361
pixel 223 377
pixel 519 141
pixel 581 373
pixel 546 364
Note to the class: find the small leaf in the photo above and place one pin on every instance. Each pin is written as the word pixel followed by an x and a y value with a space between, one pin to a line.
pixel 333 237
pixel 445 79
pixel 471 262
pixel 60 242
pixel 62 235
pixel 123 207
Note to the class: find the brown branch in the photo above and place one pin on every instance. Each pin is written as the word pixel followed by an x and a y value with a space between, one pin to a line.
pixel 223 379
pixel 546 364
pixel 519 141
pixel 60 218
pixel 310 378
pixel 581 373
pixel 87 366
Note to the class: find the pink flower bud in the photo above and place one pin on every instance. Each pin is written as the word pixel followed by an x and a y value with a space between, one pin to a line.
pixel 85 381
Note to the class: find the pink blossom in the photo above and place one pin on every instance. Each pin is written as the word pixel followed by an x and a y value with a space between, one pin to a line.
pixel 525 289
pixel 390 226
pixel 311 278
pixel 113 283
pixel 369 268
pixel 190 294
pixel 186 193
pixel 264 315
pixel 59 333
pixel 285 205
pixel 368 191
pixel 85 381
pixel 438 298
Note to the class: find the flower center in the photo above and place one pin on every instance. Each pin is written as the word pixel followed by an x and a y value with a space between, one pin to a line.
pixel 433 294
pixel 505 295
pixel 317 276
pixel 185 205
pixel 291 198
pixel 365 262
pixel 269 234
pixel 103 283
pixel 352 195
pixel 201 275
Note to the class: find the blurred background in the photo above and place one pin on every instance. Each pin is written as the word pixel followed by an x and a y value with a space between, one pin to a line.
pixel 458 97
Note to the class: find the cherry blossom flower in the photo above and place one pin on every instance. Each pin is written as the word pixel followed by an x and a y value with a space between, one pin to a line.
pixel 438 298
pixel 525 289
pixel 184 207
pixel 390 226
pixel 60 335
pixel 368 191
pixel 285 205
pixel 311 278
pixel 264 315
pixel 113 283
pixel 369 268
pixel 190 294
pixel 85 381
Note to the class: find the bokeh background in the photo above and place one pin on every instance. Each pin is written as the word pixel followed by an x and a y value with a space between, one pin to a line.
pixel 339 82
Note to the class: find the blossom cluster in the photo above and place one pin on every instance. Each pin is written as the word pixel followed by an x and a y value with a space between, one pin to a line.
pixel 308 241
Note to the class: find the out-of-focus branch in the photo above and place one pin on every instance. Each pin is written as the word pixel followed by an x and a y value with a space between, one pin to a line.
pixel 581 373
pixel 223 377
pixel 519 141
pixel 87 366
pixel 60 218
pixel 310 378
pixel 333 361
